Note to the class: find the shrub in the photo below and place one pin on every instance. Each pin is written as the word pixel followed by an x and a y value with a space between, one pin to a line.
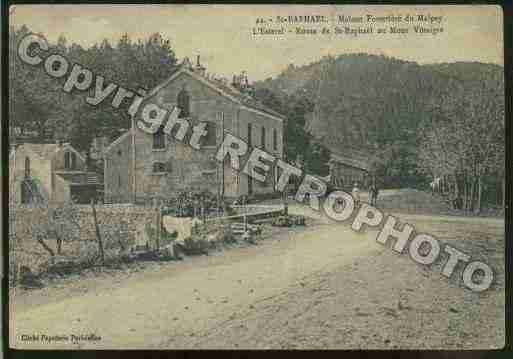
pixel 281 221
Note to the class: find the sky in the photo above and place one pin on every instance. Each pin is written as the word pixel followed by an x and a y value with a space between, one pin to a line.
pixel 222 34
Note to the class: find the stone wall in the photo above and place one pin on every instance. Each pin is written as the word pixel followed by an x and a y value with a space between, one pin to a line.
pixel 120 225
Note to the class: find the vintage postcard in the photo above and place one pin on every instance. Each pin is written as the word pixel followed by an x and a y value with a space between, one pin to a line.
pixel 256 177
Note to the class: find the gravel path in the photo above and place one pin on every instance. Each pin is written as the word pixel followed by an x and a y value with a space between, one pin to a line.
pixel 320 287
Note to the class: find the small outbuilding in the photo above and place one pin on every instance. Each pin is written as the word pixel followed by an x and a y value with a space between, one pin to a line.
pixel 54 172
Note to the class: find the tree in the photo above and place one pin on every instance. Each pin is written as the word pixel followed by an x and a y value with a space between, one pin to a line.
pixel 316 158
pixel 465 143
pixel 379 105
pixel 37 102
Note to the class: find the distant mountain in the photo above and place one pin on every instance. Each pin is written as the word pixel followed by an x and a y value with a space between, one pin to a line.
pixel 375 104
pixel 363 100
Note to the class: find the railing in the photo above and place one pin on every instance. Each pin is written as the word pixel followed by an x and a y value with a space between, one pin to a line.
pixel 253 211
pixel 92 178
pixel 256 208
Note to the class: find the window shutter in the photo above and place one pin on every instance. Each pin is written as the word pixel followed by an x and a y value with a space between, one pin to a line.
pixel 183 103
pixel 66 160
pixel 169 166
pixel 73 161
pixel 211 137
pixel 159 167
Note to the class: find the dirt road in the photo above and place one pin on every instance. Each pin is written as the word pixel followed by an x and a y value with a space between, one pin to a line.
pixel 320 287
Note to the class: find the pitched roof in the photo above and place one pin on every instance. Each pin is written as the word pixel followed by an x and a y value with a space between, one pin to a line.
pixel 223 89
pixel 352 158
pixel 48 150
pixel 244 98
pixel 44 150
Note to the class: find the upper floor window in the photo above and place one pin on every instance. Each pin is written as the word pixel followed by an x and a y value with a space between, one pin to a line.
pixel 70 160
pixel 159 139
pixel 249 135
pixel 27 167
pixel 275 140
pixel 183 102
pixel 67 160
pixel 159 167
pixel 73 161
pixel 211 137
pixel 262 138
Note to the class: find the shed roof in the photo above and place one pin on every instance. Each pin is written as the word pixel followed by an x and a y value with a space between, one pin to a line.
pixel 352 158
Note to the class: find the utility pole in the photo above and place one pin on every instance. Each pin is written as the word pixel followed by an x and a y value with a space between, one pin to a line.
pixel 132 129
pixel 220 173
pixel 222 163
pixel 13 190
pixel 142 92
pixel 12 226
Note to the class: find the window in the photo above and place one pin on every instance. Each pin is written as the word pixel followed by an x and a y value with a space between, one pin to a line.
pixel 26 194
pixel 275 177
pixel 159 167
pixel 73 161
pixel 275 140
pixel 27 167
pixel 262 142
pixel 249 135
pixel 208 176
pixel 183 102
pixel 159 139
pixel 67 160
pixel 210 138
pixel 70 160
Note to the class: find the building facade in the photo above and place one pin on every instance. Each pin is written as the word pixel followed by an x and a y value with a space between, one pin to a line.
pixel 348 169
pixel 52 173
pixel 139 166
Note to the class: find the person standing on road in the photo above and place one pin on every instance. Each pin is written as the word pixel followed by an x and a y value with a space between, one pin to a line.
pixel 356 194
pixel 374 191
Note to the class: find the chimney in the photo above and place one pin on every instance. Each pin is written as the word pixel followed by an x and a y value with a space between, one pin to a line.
pixel 199 69
pixel 186 63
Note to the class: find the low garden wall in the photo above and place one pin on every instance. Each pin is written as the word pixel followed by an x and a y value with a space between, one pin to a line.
pixel 36 233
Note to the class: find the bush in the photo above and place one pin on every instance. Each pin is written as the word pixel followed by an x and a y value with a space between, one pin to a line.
pixel 195 246
pixel 41 235
pixel 229 211
pixel 281 221
pixel 167 238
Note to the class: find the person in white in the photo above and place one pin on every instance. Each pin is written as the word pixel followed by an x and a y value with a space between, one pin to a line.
pixel 356 194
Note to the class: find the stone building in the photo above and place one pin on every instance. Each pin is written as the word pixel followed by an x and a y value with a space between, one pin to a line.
pixel 51 172
pixel 139 166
